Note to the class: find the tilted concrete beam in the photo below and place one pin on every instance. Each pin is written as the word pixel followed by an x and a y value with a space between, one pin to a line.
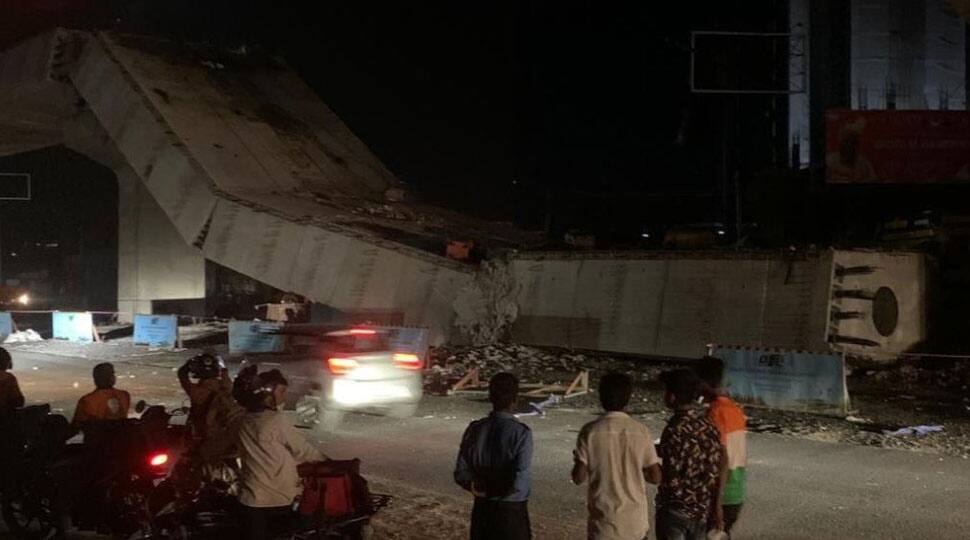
pixel 238 159
pixel 36 97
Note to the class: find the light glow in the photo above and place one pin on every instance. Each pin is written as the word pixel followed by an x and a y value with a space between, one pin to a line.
pixel 356 393
pixel 341 366
pixel 157 460
pixel 408 361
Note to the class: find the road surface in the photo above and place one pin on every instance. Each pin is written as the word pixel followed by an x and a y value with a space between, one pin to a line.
pixel 797 488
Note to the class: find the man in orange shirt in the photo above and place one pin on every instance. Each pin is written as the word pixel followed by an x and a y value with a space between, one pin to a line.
pixel 732 426
pixel 93 415
pixel 105 402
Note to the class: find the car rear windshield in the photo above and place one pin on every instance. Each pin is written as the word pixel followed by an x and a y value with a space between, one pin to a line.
pixel 356 343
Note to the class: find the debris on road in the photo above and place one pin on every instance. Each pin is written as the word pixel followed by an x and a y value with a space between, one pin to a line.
pixel 539 409
pixel 541 366
pixel 23 336
pixel 919 431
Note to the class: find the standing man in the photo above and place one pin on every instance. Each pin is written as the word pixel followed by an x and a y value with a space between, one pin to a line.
pixel 493 463
pixel 214 416
pixel 270 451
pixel 688 501
pixel 616 455
pixel 732 425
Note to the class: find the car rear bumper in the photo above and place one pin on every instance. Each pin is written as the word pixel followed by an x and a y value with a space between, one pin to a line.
pixel 350 394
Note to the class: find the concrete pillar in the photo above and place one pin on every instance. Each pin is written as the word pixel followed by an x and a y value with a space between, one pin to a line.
pixel 154 262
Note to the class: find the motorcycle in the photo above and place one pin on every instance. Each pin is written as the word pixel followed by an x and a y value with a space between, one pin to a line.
pixel 210 511
pixel 33 437
pixel 103 486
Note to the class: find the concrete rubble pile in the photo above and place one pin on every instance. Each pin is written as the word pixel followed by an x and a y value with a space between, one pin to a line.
pixel 530 364
pixel 952 376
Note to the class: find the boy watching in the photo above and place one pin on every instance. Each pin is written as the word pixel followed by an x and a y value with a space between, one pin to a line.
pixel 732 425
pixel 615 454
pixel 494 462
pixel 688 500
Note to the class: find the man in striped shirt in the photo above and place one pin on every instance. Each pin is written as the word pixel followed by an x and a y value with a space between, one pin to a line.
pixel 732 425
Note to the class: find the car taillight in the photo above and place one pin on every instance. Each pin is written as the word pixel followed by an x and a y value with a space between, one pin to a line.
pixel 158 459
pixel 341 366
pixel 408 361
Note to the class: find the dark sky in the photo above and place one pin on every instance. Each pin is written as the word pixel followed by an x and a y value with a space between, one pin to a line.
pixel 496 108
pixel 586 103
pixel 463 99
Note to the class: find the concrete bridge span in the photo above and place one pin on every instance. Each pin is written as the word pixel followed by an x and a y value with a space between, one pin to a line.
pixel 234 160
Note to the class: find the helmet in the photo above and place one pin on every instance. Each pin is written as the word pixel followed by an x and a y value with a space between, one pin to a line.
pixel 267 381
pixel 263 388
pixel 205 366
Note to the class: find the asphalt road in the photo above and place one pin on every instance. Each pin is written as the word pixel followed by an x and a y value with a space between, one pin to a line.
pixel 797 488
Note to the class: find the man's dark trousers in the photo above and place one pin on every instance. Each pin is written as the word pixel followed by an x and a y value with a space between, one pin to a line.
pixel 500 520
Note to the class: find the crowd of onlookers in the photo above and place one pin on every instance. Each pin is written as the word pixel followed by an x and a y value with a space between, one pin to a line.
pixel 698 467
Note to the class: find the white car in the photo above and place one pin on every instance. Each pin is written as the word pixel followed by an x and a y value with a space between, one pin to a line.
pixel 352 370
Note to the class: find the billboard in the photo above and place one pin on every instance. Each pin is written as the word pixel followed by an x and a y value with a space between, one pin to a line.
pixel 787 380
pixel 897 147
pixel 156 330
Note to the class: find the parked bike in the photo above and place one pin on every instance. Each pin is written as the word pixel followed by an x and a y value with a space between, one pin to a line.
pixel 336 504
pixel 33 438
pixel 102 487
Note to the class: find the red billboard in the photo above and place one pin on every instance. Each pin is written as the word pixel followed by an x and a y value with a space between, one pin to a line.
pixel 897 147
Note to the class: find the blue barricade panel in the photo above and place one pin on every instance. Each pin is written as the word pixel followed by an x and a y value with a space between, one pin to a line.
pixel 788 380
pixel 6 325
pixel 255 337
pixel 73 326
pixel 156 330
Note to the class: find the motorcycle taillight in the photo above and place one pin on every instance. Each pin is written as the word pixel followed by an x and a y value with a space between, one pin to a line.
pixel 158 460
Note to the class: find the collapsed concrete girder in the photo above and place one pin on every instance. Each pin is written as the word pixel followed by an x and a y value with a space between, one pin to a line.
pixel 250 168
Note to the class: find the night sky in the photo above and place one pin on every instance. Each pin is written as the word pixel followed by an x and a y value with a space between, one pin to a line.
pixel 514 108
pixel 501 108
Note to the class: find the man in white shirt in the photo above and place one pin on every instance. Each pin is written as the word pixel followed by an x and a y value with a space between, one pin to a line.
pixel 616 456
pixel 270 450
